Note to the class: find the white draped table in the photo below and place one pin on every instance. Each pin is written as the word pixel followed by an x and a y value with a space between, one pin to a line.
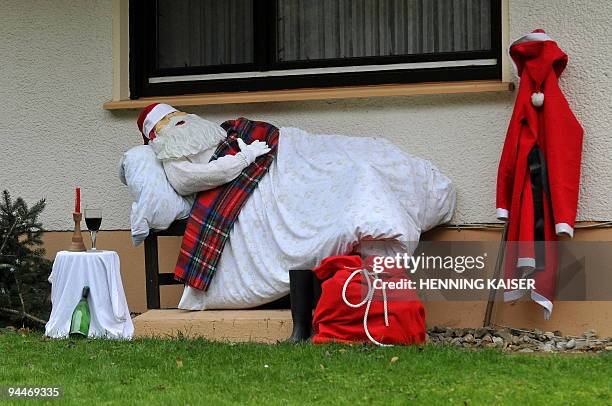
pixel 100 270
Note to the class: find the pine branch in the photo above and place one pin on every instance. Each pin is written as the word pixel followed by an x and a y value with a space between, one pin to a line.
pixel 17 285
pixel 21 239
pixel 37 209
pixel 6 237
pixel 7 201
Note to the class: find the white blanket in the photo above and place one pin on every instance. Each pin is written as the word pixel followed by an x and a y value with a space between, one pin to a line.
pixel 322 196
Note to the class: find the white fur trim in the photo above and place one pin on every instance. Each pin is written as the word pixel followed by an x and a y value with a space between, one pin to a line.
pixel 155 115
pixel 532 36
pixel 502 214
pixel 564 228
pixel 526 262
pixel 537 99
pixel 542 301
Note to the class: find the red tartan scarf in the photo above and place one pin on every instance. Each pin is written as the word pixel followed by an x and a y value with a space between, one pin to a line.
pixel 214 212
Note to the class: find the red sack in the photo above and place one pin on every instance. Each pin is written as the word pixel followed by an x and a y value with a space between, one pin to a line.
pixel 349 280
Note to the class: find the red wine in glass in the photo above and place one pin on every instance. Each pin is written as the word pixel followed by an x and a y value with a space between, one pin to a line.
pixel 93 220
pixel 93 223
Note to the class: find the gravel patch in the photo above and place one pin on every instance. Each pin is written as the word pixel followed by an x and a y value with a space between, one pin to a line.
pixel 518 340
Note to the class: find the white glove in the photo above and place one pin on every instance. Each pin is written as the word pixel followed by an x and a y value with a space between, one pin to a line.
pixel 253 150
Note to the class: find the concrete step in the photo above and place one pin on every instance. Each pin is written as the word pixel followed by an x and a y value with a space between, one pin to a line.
pixel 264 326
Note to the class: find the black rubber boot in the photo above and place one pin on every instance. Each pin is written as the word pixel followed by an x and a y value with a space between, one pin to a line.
pixel 301 295
pixel 316 290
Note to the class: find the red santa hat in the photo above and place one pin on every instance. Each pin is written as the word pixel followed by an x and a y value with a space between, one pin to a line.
pixel 151 115
pixel 528 53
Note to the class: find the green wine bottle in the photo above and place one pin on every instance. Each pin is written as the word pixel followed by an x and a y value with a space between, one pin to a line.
pixel 80 316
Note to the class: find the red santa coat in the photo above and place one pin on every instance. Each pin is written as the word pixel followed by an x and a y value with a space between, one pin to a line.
pixel 539 171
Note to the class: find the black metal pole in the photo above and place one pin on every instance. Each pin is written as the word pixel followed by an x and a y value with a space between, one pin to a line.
pixel 496 275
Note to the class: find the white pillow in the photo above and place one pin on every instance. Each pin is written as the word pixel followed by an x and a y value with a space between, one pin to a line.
pixel 156 204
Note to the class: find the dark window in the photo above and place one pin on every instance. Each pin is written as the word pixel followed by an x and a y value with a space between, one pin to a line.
pixel 196 46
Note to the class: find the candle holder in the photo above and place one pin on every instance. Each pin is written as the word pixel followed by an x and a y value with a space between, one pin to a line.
pixel 77 244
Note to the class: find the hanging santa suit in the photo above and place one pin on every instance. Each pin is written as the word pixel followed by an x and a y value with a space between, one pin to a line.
pixel 539 171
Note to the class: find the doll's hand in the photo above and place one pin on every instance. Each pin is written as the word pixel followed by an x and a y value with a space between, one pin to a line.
pixel 253 150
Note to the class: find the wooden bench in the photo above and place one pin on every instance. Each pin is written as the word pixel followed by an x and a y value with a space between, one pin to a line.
pixel 154 279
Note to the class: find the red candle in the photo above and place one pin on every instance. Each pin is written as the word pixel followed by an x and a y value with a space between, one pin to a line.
pixel 77 200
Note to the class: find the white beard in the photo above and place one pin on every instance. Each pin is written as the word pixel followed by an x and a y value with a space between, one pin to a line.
pixel 190 138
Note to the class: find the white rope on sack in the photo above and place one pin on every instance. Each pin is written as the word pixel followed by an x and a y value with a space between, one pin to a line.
pixel 368 276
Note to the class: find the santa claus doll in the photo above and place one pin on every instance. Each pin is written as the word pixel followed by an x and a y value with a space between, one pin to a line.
pixel 272 203
pixel 185 143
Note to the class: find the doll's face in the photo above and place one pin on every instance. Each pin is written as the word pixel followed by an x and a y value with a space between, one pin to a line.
pixel 164 121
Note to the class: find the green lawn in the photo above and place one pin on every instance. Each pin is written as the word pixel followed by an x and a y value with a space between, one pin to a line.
pixel 178 372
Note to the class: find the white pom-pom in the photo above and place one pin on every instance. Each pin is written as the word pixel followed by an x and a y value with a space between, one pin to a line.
pixel 537 99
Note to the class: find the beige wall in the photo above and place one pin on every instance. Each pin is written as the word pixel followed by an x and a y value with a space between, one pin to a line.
pixel 56 72
pixel 568 317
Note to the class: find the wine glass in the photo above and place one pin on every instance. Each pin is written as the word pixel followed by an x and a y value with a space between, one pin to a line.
pixel 93 219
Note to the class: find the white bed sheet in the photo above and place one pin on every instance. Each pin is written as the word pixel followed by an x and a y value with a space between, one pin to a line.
pixel 322 195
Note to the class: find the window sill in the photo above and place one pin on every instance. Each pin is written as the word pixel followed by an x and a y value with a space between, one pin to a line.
pixel 348 92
